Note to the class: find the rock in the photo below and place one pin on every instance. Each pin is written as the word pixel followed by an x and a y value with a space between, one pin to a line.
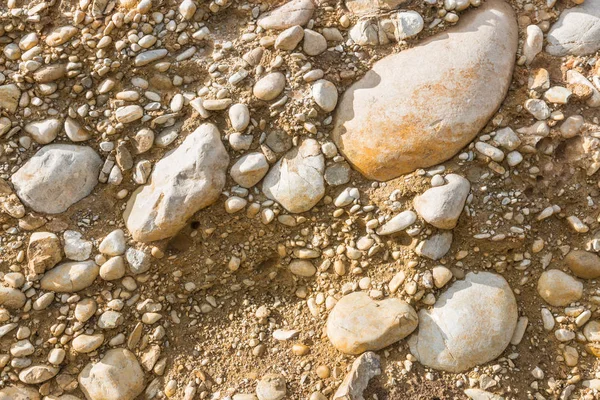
pixel 295 12
pixel 397 223
pixel 139 261
pixel 389 124
pixel 370 6
pixel 9 97
pixel 303 268
pixel 249 169
pixel 50 73
pixel 75 132
pixel 368 32
pixel 289 38
pixel 441 276
pixel 143 140
pixel 325 95
pixel 577 31
pixel 85 309
pixel 358 323
pixel 337 174
pixel 239 115
pixel 583 264
pixel 533 43
pixel 44 252
pixel 56 177
pixel 117 376
pixel 314 43
pixel 149 56
pixel 559 289
pixel 76 248
pixel 576 79
pixel 538 108
pixel 459 333
pixel 557 95
pixel 507 138
pixel 187 8
pixel 44 132
pixel 407 24
pixel 187 180
pixel 478 394
pixel 436 246
pixel 441 206
pixel 296 180
pixel 70 277
pixel 113 244
pixel 37 374
pixel 61 35
pixel 591 331
pixel 269 86
pixel 19 393
pixel 11 298
pixel 128 114
pixel 271 387
pixel 87 343
pixel 113 269
pixel 364 368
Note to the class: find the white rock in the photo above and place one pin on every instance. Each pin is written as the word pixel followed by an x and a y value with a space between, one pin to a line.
pixel 557 95
pixel 364 368
pixel 187 8
pixel 9 97
pixel 559 289
pixel 534 42
pixel 577 31
pixel 249 169
pixel 75 132
pixel 314 43
pixel 576 78
pixel 271 387
pixel 295 12
pixel 436 246
pixel 128 114
pixel 538 108
pixel 289 38
pixel 70 277
pixel 270 86
pixel 113 269
pixel 407 24
pixel 441 206
pixel 239 115
pixel 398 223
pixel 45 131
pixel 76 248
pixel 325 95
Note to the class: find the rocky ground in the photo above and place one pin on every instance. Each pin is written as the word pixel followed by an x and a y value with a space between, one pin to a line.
pixel 241 200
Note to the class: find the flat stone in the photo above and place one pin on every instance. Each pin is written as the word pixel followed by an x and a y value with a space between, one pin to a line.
pixel 388 124
pixel 61 35
pixel 577 31
pixel 436 246
pixel 458 333
pixel 117 376
pixel 295 12
pixel 559 289
pixel 70 277
pixel 249 169
pixel 358 323
pixel 128 114
pixel 37 374
pixel 56 177
pixel 296 180
pixel 271 387
pixel 441 206
pixel 12 298
pixel 270 86
pixel 364 368
pixel 187 180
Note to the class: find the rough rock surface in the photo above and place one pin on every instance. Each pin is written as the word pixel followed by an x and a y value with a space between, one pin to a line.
pixel 388 124
pixel 442 205
pixel 364 368
pixel 358 323
pixel 56 177
pixel 19 393
pixel 459 333
pixel 185 181
pixel 70 277
pixel 577 31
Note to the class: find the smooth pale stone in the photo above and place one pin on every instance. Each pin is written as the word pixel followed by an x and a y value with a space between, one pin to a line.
pixel 289 38
pixel 302 268
pixel 557 95
pixel 149 56
pixel 478 394
pixel 591 331
pixel 113 269
pixel 43 252
pixel 507 138
pixel 358 323
pixel 187 8
pixel 270 86
pixel 271 387
pixel 129 114
pixel 75 132
pixel 19 393
pixel 441 276
pixel 325 95
pixel 577 31
pixel 296 180
pixel 70 277
pixel 37 374
pixel 398 223
pixel 85 309
pixel 583 264
pixel 314 43
pixel 459 333
pixel 117 376
pixel 187 180
pixel 50 73
pixel 87 343
pixel 538 108
pixel 371 6
pixel 56 177
pixel 61 35
pixel 9 97
pixel 249 169
pixel 436 246
pixel 388 124
pixel 441 206
pixel 576 78
pixel 143 140
pixel 113 244
pixel 11 298
pixel 364 368
pixel 571 126
pixel 44 132
pixel 559 289
pixel 239 116
pixel 295 12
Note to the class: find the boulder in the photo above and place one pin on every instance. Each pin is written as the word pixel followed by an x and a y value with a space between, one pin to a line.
pixel 388 124
pixel 185 181
pixel 459 333
pixel 577 31
pixel 358 323
pixel 57 176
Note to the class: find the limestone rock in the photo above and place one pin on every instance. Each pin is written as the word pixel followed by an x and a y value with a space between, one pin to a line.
pixel 117 376
pixel 44 252
pixel 358 323
pixel 37 374
pixel 187 180
pixel 9 97
pixel 436 246
pixel 459 333
pixel 296 12
pixel 19 393
pixel 269 86
pixel 388 124
pixel 70 277
pixel 442 205
pixel 369 6
pixel 296 180
pixel 364 368
pixel 113 244
pixel 559 289
pixel 271 387
pixel 12 298
pixel 583 264
pixel 249 169
pixel 577 31
pixel 325 95
pixel 56 177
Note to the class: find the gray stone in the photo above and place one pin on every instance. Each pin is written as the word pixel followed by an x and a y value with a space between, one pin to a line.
pixel 436 246
pixel 577 31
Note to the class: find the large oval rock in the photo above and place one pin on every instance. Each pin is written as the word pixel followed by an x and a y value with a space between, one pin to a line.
pixel 12 298
pixel 185 181
pixel 358 323
pixel 19 393
pixel 420 107
pixel 583 264
pixel 559 289
pixel 57 176
pixel 296 180
pixel 459 333
pixel 118 376
pixel 577 31
pixel 70 277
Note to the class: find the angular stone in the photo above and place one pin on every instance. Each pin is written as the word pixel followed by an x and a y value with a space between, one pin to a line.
pixel 249 169
pixel 70 277
pixel 9 98
pixel 358 323
pixel 436 246
pixel 296 180
pixel 19 393
pixel 441 206
pixel 56 177
pixel 364 368
pixel 577 31
pixel 296 12
pixel 459 333
pixel 388 124
pixel 187 180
